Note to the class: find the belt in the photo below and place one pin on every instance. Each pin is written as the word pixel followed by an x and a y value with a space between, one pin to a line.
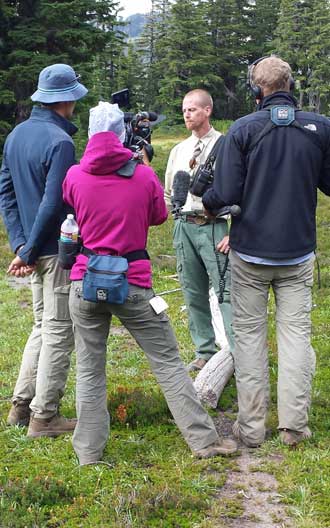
pixel 139 254
pixel 201 219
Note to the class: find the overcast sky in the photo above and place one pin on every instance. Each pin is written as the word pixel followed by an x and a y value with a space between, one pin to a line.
pixel 134 6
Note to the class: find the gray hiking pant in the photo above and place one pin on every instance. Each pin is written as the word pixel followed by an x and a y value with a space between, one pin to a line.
pixel 197 267
pixel 46 357
pixel 155 336
pixel 292 287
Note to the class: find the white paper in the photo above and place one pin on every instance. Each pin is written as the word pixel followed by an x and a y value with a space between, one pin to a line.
pixel 158 304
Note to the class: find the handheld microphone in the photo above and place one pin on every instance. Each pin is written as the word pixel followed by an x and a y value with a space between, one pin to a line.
pixel 233 210
pixel 181 183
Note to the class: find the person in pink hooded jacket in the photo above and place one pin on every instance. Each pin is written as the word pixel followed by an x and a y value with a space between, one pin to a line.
pixel 114 213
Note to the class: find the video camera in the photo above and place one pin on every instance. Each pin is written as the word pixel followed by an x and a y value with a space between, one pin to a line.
pixel 137 126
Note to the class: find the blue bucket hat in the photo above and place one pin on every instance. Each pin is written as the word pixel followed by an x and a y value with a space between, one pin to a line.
pixel 58 83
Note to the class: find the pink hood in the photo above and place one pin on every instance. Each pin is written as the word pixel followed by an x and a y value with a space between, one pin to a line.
pixel 104 150
pixel 113 212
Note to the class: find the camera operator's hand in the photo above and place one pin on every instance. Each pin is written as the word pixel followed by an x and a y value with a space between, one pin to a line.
pixel 223 245
pixel 145 157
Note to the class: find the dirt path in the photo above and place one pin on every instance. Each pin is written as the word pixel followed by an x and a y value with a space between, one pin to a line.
pixel 254 492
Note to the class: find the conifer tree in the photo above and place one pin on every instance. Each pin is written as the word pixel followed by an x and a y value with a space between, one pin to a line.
pixel 186 49
pixel 292 37
pixel 151 45
pixel 319 58
pixel 303 39
pixel 40 33
pixel 7 96
pixel 131 74
pixel 227 29
pixel 262 20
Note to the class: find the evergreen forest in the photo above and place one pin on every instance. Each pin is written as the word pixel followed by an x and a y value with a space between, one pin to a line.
pixel 184 44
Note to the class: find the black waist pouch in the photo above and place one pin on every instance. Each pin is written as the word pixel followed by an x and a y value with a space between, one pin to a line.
pixel 67 252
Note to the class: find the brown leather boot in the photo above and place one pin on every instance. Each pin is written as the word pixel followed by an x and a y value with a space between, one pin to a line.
pixel 54 426
pixel 197 365
pixel 224 447
pixel 19 413
pixel 292 438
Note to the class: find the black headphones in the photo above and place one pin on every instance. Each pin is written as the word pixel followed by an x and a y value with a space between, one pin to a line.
pixel 257 90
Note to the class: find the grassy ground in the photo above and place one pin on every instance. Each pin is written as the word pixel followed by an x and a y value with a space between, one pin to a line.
pixel 151 479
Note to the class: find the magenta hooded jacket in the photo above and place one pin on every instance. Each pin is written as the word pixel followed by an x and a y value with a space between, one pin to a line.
pixel 113 212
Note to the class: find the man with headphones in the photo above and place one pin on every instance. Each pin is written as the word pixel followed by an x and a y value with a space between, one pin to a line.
pixel 271 163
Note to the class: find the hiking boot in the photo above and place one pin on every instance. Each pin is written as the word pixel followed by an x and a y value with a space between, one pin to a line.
pixel 196 365
pixel 238 435
pixel 19 413
pixel 224 447
pixel 54 426
pixel 292 438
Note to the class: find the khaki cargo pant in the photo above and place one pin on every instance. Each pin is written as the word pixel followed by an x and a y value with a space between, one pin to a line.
pixel 46 357
pixel 155 336
pixel 292 287
pixel 197 268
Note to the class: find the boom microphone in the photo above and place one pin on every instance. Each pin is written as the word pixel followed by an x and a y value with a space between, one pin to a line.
pixel 181 183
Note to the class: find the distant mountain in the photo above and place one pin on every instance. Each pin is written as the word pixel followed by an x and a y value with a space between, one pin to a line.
pixel 135 25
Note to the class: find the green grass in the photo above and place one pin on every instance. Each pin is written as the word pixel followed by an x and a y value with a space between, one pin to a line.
pixel 151 479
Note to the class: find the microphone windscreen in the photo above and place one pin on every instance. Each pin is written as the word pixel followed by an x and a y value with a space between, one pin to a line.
pixel 235 210
pixel 152 116
pixel 181 183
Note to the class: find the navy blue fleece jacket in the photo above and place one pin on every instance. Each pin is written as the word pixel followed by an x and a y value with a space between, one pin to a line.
pixel 36 157
pixel 275 183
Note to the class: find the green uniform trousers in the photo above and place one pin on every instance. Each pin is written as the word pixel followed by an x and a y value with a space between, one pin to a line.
pixel 197 269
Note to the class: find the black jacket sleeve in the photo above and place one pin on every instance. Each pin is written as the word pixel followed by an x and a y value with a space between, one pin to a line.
pixel 9 208
pixel 324 180
pixel 229 175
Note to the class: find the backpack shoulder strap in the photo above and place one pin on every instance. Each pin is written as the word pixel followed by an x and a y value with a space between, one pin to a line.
pixel 128 169
pixel 267 128
pixel 214 152
pixel 283 116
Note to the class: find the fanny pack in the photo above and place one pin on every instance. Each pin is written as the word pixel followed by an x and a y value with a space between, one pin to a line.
pixel 106 277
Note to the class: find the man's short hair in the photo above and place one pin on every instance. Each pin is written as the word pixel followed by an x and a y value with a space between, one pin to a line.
pixel 273 73
pixel 204 96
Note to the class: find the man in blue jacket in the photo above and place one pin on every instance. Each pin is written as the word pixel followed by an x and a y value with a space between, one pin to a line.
pixel 36 157
pixel 271 163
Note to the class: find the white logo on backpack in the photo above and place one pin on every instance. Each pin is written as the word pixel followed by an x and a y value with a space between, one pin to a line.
pixel 311 126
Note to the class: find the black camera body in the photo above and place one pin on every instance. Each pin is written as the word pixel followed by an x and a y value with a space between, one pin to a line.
pixel 137 126
pixel 138 133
